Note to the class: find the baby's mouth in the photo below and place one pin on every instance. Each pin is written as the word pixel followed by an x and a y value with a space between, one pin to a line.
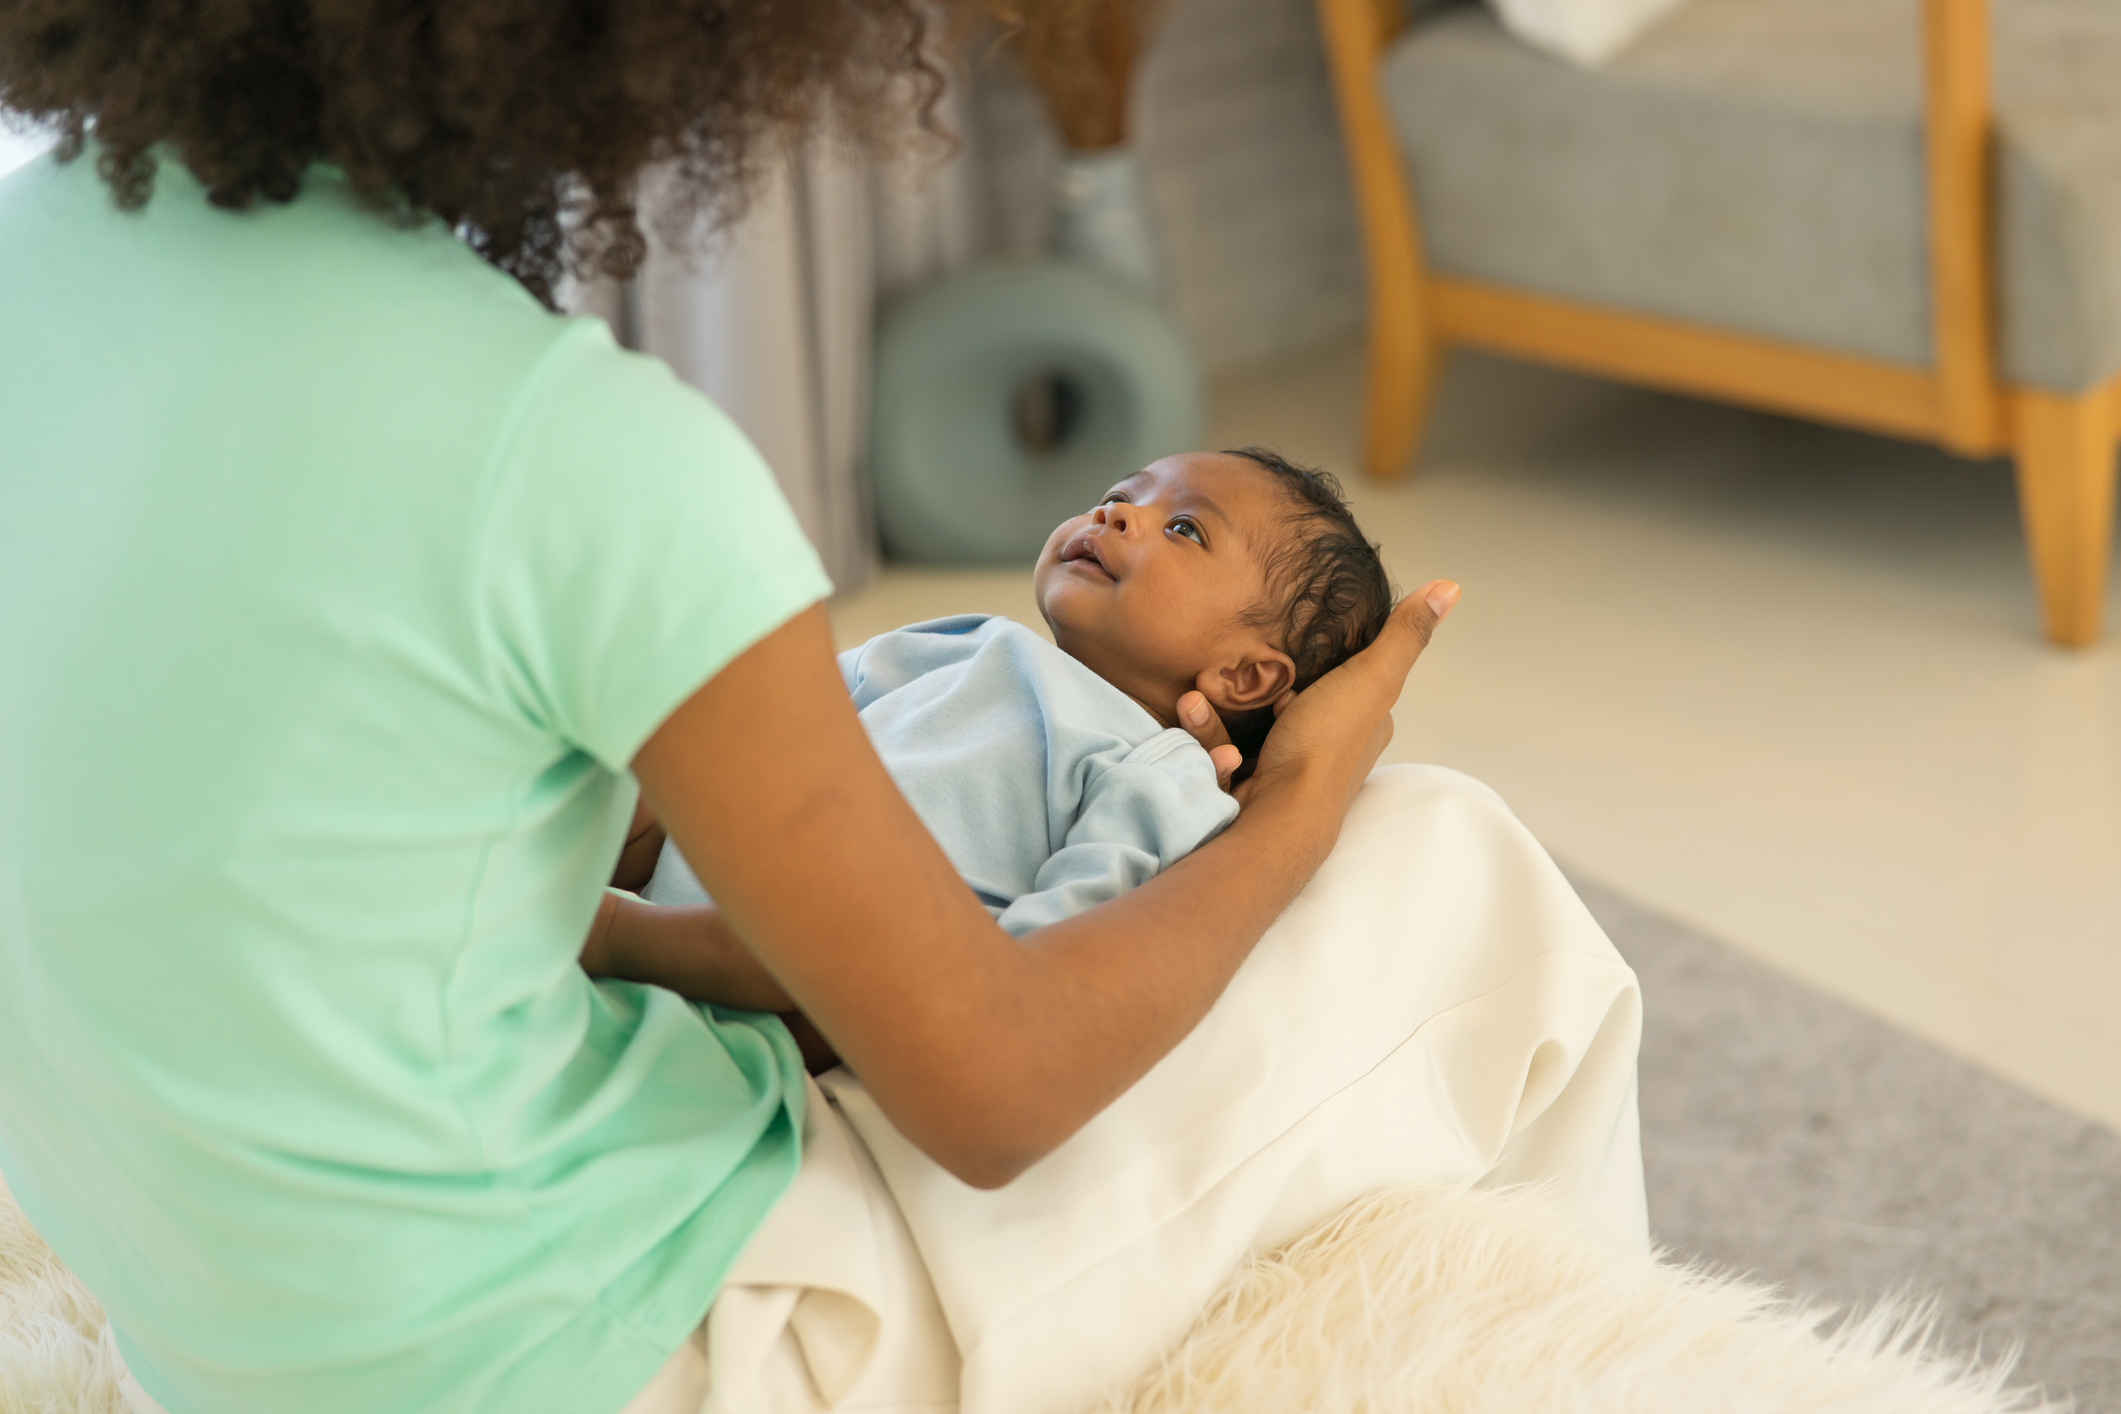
pixel 1083 550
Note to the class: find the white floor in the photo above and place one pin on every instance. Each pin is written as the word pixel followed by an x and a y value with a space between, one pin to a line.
pixel 1781 682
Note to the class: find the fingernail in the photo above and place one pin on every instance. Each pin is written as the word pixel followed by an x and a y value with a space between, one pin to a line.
pixel 1441 597
pixel 1196 715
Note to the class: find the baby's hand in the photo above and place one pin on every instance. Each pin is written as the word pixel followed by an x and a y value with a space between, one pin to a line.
pixel 1206 726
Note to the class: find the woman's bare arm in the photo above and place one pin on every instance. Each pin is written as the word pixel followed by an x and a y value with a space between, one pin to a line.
pixel 690 950
pixel 986 1051
pixel 644 845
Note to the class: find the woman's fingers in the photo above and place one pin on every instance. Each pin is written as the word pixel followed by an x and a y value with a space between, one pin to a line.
pixel 1412 625
pixel 1206 727
pixel 1438 595
pixel 1342 722
pixel 1348 712
pixel 1383 666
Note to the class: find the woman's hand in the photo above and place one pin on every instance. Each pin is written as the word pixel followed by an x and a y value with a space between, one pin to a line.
pixel 1337 727
pixel 1200 719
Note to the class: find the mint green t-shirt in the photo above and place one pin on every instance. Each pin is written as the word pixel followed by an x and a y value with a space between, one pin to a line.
pixel 339 584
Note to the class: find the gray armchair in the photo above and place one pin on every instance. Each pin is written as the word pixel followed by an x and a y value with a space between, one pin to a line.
pixel 1812 206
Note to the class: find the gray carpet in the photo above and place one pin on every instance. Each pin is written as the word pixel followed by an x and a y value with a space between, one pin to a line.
pixel 1789 1136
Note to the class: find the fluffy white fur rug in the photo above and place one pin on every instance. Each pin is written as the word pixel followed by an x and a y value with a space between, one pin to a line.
pixel 51 1359
pixel 1416 1300
pixel 1454 1302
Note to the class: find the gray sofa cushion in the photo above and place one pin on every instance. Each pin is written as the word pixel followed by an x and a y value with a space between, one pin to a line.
pixel 1756 165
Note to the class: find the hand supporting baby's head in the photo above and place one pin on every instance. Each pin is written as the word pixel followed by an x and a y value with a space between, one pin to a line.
pixel 1234 573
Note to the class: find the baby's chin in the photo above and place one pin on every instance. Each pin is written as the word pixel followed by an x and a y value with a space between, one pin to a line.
pixel 1116 658
pixel 1075 605
pixel 1068 601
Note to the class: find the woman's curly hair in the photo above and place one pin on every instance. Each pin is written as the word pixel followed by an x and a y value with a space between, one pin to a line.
pixel 523 124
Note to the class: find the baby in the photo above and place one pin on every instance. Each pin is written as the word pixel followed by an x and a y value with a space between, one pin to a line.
pixel 1055 775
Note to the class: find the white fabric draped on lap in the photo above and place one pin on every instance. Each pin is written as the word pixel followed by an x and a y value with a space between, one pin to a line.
pixel 1436 1006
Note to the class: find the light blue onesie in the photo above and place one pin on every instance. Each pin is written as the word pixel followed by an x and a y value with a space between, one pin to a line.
pixel 1050 789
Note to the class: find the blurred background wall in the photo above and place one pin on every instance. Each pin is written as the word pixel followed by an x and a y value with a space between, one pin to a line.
pixel 1246 182
pixel 1246 187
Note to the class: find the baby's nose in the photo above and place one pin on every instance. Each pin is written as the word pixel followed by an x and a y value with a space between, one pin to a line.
pixel 1116 514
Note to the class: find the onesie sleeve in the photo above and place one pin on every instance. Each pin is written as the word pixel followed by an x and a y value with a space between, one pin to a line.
pixel 634 542
pixel 1140 815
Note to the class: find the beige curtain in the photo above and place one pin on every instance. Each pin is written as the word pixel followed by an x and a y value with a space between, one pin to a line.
pixel 772 321
pixel 773 318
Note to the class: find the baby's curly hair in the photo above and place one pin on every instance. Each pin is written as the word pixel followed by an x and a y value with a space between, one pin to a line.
pixel 1328 593
pixel 521 123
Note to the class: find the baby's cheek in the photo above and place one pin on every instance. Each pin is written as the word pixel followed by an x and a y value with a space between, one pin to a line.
pixel 1178 629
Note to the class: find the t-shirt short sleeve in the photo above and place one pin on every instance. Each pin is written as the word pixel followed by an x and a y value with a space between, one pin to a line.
pixel 634 542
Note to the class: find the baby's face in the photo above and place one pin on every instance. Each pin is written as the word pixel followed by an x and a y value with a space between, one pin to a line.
pixel 1150 589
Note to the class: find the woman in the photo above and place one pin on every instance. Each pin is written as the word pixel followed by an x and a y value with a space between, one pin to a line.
pixel 345 592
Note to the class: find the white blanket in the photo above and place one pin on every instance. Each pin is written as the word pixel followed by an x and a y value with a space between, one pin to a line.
pixel 1436 1006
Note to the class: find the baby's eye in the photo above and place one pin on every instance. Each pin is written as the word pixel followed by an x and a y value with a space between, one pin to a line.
pixel 1182 525
pixel 1115 496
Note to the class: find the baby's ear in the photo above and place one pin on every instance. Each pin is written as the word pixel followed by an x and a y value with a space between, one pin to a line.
pixel 1250 683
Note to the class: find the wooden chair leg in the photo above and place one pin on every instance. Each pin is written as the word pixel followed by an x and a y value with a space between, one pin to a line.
pixel 1403 346
pixel 2066 495
pixel 1404 364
